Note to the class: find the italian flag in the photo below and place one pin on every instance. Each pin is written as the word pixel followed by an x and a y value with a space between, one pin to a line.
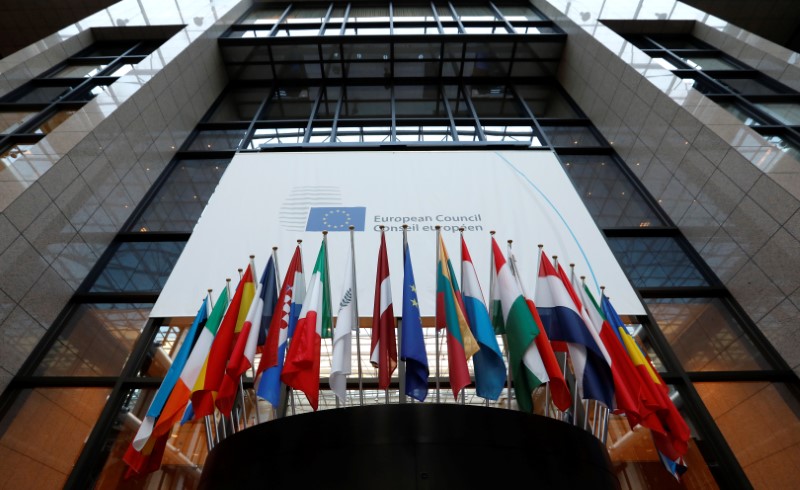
pixel 301 369
pixel 527 369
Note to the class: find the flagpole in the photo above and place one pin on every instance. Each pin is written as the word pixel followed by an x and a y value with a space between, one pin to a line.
pixel 386 390
pixel 505 336
pixel 209 434
pixel 327 277
pixel 512 262
pixel 436 326
pixel 547 395
pixel 356 320
pixel 461 280
pixel 401 325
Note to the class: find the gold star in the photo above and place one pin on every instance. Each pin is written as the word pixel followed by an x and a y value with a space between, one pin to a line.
pixel 414 302
pixel 414 288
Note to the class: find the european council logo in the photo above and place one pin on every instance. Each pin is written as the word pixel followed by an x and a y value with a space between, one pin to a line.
pixel 336 218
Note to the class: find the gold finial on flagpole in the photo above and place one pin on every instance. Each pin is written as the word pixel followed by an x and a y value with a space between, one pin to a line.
pixel 382 227
pixel 351 227
pixel 491 232
pixel 299 241
pixel 324 232
pixel 274 248
pixel 438 227
pixel 405 226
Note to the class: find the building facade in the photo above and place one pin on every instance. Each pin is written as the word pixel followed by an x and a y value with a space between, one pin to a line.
pixel 680 131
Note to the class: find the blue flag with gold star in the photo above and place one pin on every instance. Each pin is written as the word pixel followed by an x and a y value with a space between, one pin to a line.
pixel 336 218
pixel 412 343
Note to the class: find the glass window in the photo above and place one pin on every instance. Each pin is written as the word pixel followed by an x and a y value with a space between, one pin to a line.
pixel 369 14
pixel 95 341
pixel 291 102
pixel 785 112
pixel 367 102
pixel 107 49
pixel 11 120
pixel 183 196
pixel 546 101
pixel 784 144
pixel 79 71
pixel 184 456
pixel 138 267
pixel 609 195
pixel 217 139
pixel 495 101
pixel 513 13
pixel 655 262
pixel 740 112
pixel 761 424
pixel 239 105
pixel 276 136
pixel 307 14
pixel 53 122
pixel 41 95
pixel 570 136
pixel 43 433
pixel 418 101
pixel 680 43
pixel 749 86
pixel 266 16
pixel 421 13
pixel 475 13
pixel 704 335
pixel 709 63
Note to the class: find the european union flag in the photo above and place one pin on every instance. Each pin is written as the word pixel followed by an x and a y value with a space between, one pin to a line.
pixel 336 219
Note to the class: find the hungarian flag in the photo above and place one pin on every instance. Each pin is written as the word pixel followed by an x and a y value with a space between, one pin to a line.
pixel 383 350
pixel 450 315
pixel 559 391
pixel 144 455
pixel 210 377
pixel 346 321
pixel 301 370
pixel 412 342
pixel 490 369
pixel 527 369
pixel 564 323
pixel 284 317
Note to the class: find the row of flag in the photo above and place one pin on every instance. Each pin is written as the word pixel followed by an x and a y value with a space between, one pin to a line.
pixel 286 321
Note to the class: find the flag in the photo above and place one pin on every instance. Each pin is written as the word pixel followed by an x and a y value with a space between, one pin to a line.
pixel 171 379
pixel 346 321
pixel 244 351
pixel 495 310
pixel 270 297
pixel 676 468
pixel 383 350
pixel 527 369
pixel 284 317
pixel 148 458
pixel 211 375
pixel 301 369
pixel 412 342
pixel 559 391
pixel 631 399
pixel 336 218
pixel 563 323
pixel 673 441
pixel 490 370
pixel 450 315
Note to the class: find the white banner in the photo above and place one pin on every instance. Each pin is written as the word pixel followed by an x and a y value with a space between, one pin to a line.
pixel 274 199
